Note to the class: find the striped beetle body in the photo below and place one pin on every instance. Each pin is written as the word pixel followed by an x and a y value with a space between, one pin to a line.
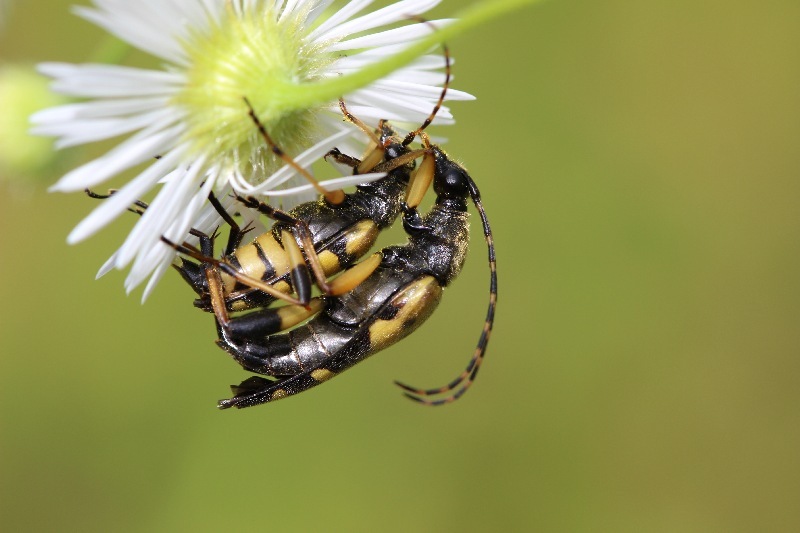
pixel 391 303
pixel 339 234
pixel 368 307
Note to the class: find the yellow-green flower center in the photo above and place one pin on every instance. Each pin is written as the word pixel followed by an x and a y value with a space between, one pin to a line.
pixel 23 91
pixel 251 56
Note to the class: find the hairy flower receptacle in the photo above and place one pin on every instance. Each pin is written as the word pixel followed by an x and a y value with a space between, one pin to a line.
pixel 257 57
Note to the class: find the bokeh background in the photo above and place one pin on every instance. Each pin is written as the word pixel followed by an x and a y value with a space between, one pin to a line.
pixel 639 163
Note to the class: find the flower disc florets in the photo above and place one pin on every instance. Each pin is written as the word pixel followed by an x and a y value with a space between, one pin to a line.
pixel 256 56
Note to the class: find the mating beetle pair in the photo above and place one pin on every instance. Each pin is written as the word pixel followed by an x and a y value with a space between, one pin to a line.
pixel 399 294
pixel 369 306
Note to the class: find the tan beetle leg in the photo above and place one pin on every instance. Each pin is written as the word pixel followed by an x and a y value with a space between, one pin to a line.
pixel 334 197
pixel 420 181
pixel 354 276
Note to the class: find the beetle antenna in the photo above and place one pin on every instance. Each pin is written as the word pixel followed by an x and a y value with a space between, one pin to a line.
pixel 467 377
pixel 447 71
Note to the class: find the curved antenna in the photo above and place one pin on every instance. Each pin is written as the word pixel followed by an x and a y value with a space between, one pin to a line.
pixel 409 138
pixel 372 162
pixel 467 377
pixel 447 71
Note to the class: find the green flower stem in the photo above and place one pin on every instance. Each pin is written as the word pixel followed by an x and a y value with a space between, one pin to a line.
pixel 309 94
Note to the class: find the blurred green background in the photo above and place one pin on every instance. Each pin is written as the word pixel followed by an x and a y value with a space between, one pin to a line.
pixel 639 163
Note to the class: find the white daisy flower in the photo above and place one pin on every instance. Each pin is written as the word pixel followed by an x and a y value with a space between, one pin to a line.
pixel 187 126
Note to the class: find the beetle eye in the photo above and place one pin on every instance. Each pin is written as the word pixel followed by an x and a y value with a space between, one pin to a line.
pixel 393 151
pixel 452 182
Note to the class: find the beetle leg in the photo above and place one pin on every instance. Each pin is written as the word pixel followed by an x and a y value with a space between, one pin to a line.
pixel 140 205
pixel 301 279
pixel 334 197
pixel 354 276
pixel 375 151
pixel 420 181
pixel 257 390
pixel 193 273
pixel 236 232
pixel 258 324
pixel 341 158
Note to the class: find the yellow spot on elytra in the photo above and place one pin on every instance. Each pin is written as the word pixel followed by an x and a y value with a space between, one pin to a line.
pixel 322 374
pixel 415 303
pixel 361 238
pixel 329 261
pixel 228 282
pixel 278 394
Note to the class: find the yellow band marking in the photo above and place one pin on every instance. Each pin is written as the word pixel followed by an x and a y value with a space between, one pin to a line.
pixel 322 374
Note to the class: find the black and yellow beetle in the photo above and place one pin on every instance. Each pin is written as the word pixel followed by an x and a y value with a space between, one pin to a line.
pixel 393 301
pixel 384 304
pixel 401 290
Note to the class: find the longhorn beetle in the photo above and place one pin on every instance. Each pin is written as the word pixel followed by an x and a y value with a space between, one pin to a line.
pixel 393 301
pixel 227 284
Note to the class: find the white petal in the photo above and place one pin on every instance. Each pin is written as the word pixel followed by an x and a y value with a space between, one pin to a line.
pixel 157 255
pixel 316 11
pixel 155 278
pixel 86 131
pixel 418 90
pixel 98 109
pixel 168 204
pixel 369 113
pixel 332 184
pixel 403 34
pixel 131 22
pixel 91 80
pixel 290 8
pixel 119 202
pixel 343 15
pixel 397 12
pixel 371 55
pixel 107 267
pixel 156 258
pixel 303 160
pixel 412 108
pixel 139 148
pixel 420 77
